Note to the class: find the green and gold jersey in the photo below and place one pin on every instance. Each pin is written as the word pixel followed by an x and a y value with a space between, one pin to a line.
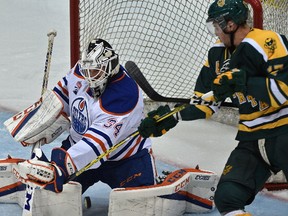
pixel 264 107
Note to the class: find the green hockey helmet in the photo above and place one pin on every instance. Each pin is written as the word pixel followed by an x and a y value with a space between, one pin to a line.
pixel 222 11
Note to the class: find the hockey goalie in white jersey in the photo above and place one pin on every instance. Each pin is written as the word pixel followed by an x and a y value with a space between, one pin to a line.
pixel 105 106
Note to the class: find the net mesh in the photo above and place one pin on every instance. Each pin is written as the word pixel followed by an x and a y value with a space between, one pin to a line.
pixel 168 40
pixel 275 13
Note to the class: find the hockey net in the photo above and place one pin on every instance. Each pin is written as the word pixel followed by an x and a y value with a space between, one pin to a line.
pixel 167 39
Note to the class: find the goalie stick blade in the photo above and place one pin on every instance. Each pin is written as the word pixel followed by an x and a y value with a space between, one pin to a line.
pixel 134 71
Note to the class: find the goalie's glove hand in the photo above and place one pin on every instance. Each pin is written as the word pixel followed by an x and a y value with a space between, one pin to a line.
pixel 229 82
pixel 150 127
pixel 42 174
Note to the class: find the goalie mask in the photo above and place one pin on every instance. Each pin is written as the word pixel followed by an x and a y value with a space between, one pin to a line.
pixel 99 62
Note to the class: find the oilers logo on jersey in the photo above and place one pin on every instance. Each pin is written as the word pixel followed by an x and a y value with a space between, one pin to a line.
pixel 79 115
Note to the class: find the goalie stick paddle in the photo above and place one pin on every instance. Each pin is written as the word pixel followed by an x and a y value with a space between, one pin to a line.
pixel 134 71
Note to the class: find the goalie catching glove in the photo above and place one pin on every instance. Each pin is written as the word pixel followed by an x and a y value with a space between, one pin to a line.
pixel 229 82
pixel 149 126
pixel 50 176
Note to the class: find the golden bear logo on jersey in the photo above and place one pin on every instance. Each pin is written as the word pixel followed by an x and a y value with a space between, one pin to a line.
pixel 221 3
pixel 270 44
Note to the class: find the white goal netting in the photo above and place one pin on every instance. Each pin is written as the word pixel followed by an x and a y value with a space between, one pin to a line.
pixel 166 39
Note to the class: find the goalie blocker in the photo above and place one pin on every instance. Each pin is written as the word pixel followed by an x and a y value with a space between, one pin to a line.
pixel 44 120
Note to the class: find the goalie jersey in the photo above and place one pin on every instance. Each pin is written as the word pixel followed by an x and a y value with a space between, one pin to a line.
pixel 97 125
pixel 264 108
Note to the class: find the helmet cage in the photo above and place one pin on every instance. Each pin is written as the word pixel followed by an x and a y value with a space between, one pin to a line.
pixel 98 65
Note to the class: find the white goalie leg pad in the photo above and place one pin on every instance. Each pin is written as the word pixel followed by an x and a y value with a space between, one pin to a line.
pixel 10 188
pixel 34 122
pixel 45 202
pixel 183 191
pixel 68 202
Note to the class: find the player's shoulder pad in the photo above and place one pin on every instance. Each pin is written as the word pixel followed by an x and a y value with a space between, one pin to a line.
pixel 121 94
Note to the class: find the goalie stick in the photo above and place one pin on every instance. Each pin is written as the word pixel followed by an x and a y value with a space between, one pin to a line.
pixel 28 203
pixel 134 71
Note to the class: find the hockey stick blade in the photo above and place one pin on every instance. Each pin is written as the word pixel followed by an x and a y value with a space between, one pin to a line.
pixel 134 71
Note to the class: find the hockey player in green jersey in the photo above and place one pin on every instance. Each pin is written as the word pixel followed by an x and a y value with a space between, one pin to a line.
pixel 250 66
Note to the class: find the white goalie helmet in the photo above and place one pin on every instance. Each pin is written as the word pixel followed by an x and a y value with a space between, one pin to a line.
pixel 99 62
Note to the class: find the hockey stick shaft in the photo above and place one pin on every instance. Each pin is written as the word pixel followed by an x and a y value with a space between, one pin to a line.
pixel 51 35
pixel 134 71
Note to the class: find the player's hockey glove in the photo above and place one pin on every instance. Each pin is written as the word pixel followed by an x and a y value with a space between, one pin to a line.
pixel 50 176
pixel 189 113
pixel 229 82
pixel 149 126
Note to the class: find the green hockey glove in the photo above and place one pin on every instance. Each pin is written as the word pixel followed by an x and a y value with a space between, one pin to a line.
pixel 149 126
pixel 227 83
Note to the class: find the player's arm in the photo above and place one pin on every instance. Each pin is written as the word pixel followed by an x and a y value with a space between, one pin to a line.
pixel 272 86
pixel 261 74
pixel 266 74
